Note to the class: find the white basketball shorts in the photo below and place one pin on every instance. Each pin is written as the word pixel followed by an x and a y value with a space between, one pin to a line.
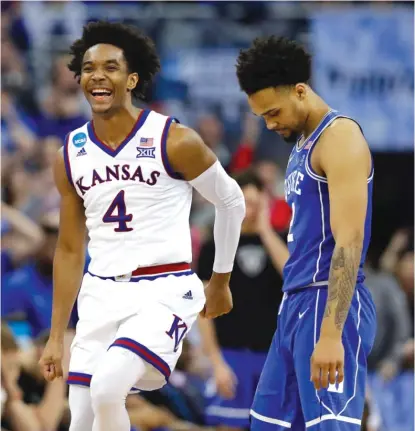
pixel 148 314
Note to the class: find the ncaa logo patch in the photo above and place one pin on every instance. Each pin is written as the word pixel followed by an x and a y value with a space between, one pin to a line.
pixel 146 152
pixel 79 140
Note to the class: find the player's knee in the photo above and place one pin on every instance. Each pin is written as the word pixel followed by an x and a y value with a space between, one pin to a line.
pixel 103 390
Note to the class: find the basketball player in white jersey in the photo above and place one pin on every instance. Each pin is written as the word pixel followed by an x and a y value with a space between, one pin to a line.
pixel 127 177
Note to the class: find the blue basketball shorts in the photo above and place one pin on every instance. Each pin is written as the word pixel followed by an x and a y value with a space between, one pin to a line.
pixel 285 396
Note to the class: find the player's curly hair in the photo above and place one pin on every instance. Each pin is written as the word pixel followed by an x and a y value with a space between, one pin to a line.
pixel 272 62
pixel 139 51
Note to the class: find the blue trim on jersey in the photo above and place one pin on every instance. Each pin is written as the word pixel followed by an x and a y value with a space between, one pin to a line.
pixel 67 160
pixel 111 151
pixel 164 156
pixel 145 277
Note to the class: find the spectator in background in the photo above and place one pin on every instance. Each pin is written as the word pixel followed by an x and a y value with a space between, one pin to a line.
pixel 18 130
pixel 62 104
pixel 29 182
pixel 273 180
pixel 398 259
pixel 393 323
pixel 47 399
pixel 211 131
pixel 53 24
pixel 20 236
pixel 28 291
pixel 243 157
pixel 16 415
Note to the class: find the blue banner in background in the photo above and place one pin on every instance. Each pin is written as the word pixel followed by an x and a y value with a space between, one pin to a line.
pixel 363 66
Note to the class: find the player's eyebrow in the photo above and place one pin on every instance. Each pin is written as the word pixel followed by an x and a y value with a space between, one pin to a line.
pixel 267 112
pixel 111 61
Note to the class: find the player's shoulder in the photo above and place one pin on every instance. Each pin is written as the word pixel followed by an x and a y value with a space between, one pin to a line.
pixel 182 137
pixel 344 126
pixel 347 135
pixel 77 137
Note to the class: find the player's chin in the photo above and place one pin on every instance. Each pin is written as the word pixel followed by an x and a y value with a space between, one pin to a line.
pixel 290 137
pixel 101 106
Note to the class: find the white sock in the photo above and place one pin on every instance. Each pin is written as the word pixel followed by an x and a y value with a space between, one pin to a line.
pixel 117 373
pixel 82 416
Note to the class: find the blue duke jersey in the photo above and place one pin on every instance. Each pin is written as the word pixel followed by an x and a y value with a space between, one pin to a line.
pixel 310 239
pixel 137 209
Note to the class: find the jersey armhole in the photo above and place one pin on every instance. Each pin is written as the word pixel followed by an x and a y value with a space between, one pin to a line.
pixel 66 159
pixel 309 168
pixel 167 166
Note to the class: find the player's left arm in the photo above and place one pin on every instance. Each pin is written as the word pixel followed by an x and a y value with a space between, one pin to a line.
pixel 345 159
pixel 198 165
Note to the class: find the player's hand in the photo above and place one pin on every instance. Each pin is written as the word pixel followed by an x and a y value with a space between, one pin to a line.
pixel 218 300
pixel 51 360
pixel 327 362
pixel 225 380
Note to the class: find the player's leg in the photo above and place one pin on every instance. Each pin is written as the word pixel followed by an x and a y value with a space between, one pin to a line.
pixel 340 407
pixel 110 385
pixel 95 331
pixel 233 414
pixel 276 405
pixel 146 346
pixel 82 416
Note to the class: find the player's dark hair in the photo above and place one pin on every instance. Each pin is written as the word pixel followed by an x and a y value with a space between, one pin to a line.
pixel 139 51
pixel 249 178
pixel 272 62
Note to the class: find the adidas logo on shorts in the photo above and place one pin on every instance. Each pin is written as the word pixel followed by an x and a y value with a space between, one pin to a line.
pixel 188 295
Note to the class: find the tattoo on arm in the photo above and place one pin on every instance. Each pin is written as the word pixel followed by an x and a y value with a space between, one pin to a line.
pixel 342 280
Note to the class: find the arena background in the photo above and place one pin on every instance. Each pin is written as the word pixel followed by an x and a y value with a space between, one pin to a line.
pixel 363 65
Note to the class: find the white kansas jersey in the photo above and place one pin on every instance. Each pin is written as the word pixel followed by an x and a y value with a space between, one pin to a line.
pixel 137 209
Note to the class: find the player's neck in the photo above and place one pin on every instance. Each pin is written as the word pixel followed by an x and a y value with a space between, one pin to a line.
pixel 113 129
pixel 318 109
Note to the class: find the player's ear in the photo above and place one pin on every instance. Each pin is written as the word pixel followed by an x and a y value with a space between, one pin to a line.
pixel 301 91
pixel 132 81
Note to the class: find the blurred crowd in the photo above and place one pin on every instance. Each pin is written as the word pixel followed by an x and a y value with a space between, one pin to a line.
pixel 41 102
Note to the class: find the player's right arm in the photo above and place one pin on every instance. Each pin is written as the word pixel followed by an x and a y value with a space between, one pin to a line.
pixel 68 267
pixel 198 165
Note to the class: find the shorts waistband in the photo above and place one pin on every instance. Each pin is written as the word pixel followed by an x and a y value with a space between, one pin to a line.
pixel 317 285
pixel 151 272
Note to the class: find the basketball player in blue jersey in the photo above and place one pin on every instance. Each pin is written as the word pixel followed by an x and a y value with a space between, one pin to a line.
pixel 127 178
pixel 314 376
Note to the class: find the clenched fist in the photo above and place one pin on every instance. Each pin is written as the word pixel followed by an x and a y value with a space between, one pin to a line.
pixel 218 299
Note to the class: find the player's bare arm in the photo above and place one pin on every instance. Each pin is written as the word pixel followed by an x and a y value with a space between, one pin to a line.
pixel 68 268
pixel 197 164
pixel 343 157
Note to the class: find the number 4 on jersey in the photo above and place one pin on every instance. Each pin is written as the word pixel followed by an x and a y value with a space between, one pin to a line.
pixel 121 217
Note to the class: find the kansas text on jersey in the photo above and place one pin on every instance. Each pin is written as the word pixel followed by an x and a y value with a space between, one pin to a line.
pixel 137 209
